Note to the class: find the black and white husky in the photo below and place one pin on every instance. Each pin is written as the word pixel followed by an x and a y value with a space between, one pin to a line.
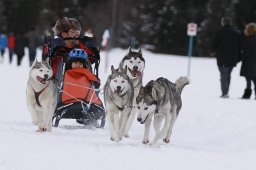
pixel 160 99
pixel 41 95
pixel 135 64
pixel 118 96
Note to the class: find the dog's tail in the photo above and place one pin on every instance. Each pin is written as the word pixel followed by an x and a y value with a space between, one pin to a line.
pixel 180 83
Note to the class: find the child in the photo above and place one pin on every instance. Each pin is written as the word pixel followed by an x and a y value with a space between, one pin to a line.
pixel 79 81
pixel 78 62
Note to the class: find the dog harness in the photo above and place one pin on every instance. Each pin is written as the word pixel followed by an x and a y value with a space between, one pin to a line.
pixel 37 94
pixel 123 106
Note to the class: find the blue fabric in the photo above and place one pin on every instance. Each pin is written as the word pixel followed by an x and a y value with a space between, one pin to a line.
pixel 3 42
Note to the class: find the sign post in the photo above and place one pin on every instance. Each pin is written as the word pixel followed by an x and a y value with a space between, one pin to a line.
pixel 191 32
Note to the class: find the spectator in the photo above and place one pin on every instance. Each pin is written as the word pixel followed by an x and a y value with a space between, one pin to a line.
pixel 3 45
pixel 33 42
pixel 105 40
pixel 11 45
pixel 226 48
pixel 19 47
pixel 248 68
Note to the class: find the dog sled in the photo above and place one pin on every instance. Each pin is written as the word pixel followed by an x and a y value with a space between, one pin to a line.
pixel 78 97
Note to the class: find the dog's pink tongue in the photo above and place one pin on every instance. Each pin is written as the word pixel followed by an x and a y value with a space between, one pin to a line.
pixel 137 73
pixel 41 80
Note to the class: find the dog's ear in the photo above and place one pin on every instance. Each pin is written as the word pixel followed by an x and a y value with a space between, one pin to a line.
pixel 47 60
pixel 154 93
pixel 140 53
pixel 113 70
pixel 129 50
pixel 46 64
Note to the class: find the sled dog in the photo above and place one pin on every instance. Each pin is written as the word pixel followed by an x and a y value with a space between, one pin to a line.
pixel 135 64
pixel 41 95
pixel 160 99
pixel 118 96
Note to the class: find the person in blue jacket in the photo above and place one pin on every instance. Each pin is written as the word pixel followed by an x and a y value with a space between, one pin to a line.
pixel 3 46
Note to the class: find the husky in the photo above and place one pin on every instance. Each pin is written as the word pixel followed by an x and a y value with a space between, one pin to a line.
pixel 160 99
pixel 135 64
pixel 118 96
pixel 41 95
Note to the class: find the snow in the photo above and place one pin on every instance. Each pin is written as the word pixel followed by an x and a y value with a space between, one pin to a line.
pixel 210 133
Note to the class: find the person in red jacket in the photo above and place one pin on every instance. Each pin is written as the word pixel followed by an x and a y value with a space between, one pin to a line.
pixel 11 46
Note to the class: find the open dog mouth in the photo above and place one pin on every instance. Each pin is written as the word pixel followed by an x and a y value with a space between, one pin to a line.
pixel 41 80
pixel 118 91
pixel 135 73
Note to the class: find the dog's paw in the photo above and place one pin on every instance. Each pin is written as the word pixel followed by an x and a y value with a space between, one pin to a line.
pixel 115 139
pixel 145 141
pixel 165 140
pixel 41 130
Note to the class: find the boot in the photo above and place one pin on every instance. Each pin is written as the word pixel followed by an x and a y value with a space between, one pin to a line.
pixel 247 94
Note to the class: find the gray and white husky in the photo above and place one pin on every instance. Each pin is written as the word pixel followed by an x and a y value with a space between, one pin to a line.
pixel 118 96
pixel 41 95
pixel 160 99
pixel 135 64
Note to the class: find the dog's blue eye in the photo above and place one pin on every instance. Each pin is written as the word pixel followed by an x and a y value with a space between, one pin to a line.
pixel 41 70
pixel 146 108
pixel 122 81
pixel 139 62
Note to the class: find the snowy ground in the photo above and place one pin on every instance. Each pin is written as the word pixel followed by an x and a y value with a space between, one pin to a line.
pixel 211 133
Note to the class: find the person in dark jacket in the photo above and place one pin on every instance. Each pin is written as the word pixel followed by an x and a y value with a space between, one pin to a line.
pixel 226 48
pixel 19 47
pixel 33 42
pixel 248 68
